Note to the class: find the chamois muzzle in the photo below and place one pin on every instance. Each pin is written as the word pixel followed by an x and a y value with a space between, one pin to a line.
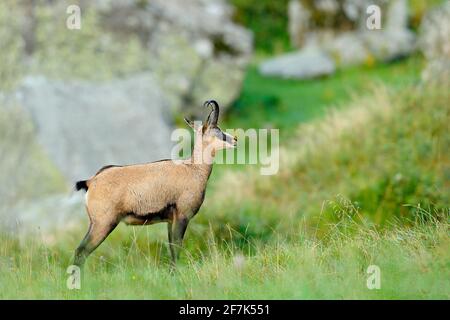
pixel 214 115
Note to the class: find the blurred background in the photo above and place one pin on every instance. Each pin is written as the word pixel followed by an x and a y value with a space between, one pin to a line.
pixel 363 114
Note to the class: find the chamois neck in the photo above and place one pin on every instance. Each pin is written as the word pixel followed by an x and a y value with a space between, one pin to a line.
pixel 204 170
pixel 202 160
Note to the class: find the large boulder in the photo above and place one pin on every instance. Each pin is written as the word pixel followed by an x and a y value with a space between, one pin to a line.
pixel 347 49
pixel 46 217
pixel 196 52
pixel 308 63
pixel 298 22
pixel 357 45
pixel 193 47
pixel 390 44
pixel 434 43
pixel 83 125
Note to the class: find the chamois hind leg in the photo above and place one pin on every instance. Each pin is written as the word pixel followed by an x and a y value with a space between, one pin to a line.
pixel 97 232
pixel 176 230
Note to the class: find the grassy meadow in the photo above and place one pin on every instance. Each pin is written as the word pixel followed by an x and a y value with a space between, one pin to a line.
pixel 363 180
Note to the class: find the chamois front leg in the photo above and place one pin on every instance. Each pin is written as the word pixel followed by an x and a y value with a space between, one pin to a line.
pixel 176 229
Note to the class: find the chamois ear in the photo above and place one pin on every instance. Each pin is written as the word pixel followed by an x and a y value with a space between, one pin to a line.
pixel 190 123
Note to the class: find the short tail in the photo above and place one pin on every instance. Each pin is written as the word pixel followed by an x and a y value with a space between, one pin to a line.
pixel 81 185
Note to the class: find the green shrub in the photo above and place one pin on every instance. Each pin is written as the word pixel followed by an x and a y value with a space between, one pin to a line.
pixel 268 21
pixel 386 154
pixel 418 8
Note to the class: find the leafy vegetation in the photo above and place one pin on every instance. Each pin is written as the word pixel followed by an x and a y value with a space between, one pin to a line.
pixel 279 103
pixel 386 152
pixel 267 20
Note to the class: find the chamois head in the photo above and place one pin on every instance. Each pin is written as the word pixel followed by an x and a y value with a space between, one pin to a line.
pixel 211 136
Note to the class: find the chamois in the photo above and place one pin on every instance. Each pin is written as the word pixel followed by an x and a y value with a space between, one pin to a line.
pixel 162 191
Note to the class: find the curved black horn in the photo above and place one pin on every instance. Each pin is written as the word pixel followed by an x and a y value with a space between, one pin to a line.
pixel 214 115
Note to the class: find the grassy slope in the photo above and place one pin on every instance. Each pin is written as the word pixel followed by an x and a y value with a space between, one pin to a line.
pixel 413 263
pixel 278 103
pixel 291 235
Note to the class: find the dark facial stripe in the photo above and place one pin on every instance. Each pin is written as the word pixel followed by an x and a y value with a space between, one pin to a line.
pixel 222 136
pixel 229 139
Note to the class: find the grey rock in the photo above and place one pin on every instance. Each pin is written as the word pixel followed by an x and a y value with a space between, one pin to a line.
pixel 184 39
pixel 394 40
pixel 355 47
pixel 307 63
pixel 45 218
pixel 437 71
pixel 347 49
pixel 356 11
pixel 397 15
pixel 434 42
pixel 298 22
pixel 325 49
pixel 83 126
pixel 389 44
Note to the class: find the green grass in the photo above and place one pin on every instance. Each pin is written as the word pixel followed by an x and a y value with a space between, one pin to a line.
pixel 363 184
pixel 267 20
pixel 283 104
pixel 414 264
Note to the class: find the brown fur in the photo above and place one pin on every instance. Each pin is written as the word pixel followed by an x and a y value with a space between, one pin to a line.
pixel 163 191
pixel 147 188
